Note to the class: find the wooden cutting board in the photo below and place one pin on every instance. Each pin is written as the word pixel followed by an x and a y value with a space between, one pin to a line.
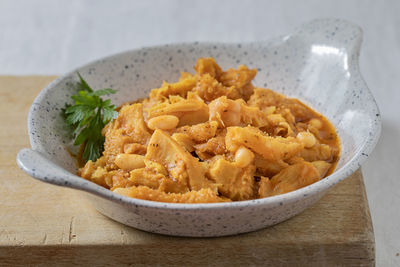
pixel 42 224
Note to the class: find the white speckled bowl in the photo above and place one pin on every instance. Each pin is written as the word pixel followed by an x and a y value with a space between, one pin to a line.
pixel 318 64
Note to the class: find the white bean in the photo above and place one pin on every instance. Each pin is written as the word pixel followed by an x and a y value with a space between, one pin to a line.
pixel 122 191
pixel 316 123
pixel 129 162
pixel 243 157
pixel 307 138
pixel 163 122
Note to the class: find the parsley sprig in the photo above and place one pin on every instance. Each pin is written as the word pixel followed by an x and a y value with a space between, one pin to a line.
pixel 88 116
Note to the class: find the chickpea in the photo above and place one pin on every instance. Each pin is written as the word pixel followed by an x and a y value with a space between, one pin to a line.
pixel 129 162
pixel 307 138
pixel 316 123
pixel 163 122
pixel 243 157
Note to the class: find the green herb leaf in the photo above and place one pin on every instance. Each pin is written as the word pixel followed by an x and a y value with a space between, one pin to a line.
pixel 83 86
pixel 109 112
pixel 106 91
pixel 88 116
pixel 78 113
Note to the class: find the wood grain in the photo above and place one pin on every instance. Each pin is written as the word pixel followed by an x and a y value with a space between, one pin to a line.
pixel 41 224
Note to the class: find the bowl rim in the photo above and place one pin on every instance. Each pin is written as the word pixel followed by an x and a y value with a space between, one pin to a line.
pixel 347 169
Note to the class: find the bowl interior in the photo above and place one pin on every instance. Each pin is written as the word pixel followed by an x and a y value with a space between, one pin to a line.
pixel 318 67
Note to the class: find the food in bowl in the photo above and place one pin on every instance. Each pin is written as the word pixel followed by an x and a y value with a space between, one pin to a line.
pixel 298 64
pixel 214 137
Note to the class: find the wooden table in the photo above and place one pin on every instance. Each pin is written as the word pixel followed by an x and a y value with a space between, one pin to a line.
pixel 41 224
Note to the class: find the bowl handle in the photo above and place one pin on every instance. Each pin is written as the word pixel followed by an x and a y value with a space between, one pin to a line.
pixel 331 32
pixel 38 166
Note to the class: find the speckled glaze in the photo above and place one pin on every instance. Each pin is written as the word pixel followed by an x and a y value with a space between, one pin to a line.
pixel 318 64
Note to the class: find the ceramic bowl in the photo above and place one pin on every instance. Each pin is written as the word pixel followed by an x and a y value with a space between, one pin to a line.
pixel 317 63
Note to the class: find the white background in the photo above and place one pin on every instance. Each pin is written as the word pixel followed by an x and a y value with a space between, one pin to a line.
pixel 52 37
